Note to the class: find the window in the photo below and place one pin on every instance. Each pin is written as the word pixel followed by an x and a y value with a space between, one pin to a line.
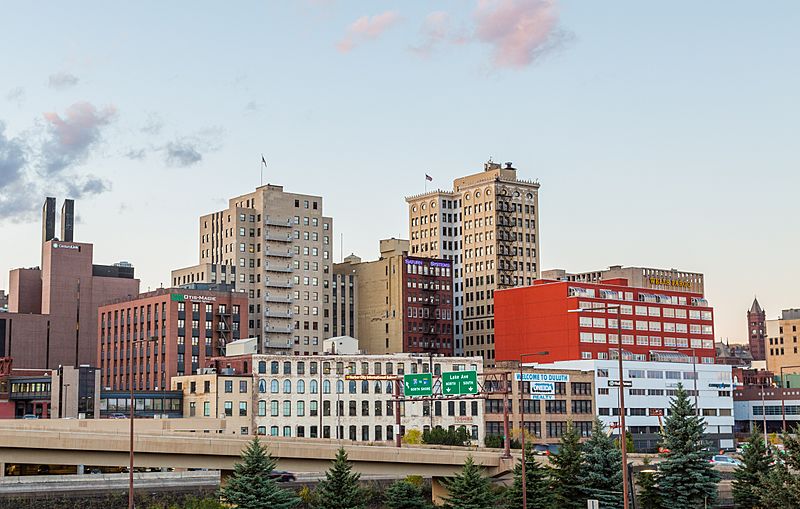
pixel 301 408
pixel 262 408
pixel 273 408
pixel 228 386
pixel 243 409
pixel 301 387
pixel 287 408
pixel 228 408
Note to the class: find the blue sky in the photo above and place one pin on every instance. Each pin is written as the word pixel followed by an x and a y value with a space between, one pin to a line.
pixel 663 135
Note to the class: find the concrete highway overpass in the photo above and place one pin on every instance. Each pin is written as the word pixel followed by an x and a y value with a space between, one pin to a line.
pixel 165 444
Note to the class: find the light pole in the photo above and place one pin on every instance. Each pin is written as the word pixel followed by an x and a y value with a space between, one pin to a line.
pixel 783 396
pixel 132 409
pixel 623 437
pixel 522 424
pixel 66 400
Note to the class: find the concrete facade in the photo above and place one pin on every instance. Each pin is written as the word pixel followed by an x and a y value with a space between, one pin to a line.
pixel 52 318
pixel 219 396
pixel 170 332
pixel 75 392
pixel 488 226
pixel 782 342
pixel 310 396
pixel 653 386
pixel 280 247
pixel 401 303
pixel 640 277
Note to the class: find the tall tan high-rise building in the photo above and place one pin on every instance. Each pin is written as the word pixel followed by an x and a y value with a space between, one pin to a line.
pixel 488 225
pixel 277 247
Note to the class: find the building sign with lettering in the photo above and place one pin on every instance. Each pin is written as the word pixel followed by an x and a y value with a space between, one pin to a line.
pixel 676 283
pixel 181 297
pixel 542 377
pixel 61 245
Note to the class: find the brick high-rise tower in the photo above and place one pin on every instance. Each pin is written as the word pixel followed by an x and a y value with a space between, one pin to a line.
pixel 756 331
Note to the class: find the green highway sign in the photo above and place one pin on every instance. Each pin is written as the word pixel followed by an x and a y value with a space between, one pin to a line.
pixel 418 384
pixel 459 382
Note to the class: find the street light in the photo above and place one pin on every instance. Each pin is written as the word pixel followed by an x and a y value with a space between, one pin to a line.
pixel 66 400
pixel 623 437
pixel 783 396
pixel 522 425
pixel 131 386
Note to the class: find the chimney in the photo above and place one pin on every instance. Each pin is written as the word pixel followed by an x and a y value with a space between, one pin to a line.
pixel 68 220
pixel 48 219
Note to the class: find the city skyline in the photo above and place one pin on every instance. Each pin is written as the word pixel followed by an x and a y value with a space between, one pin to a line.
pixel 703 183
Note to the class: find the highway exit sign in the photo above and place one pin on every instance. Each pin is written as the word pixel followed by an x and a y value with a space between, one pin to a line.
pixel 418 384
pixel 459 382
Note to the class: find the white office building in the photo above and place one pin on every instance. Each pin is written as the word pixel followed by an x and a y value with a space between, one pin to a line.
pixel 652 386
pixel 311 396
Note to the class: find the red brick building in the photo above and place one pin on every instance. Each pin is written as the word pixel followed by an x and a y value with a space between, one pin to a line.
pixel 654 321
pixel 52 308
pixel 428 293
pixel 170 332
pixel 757 331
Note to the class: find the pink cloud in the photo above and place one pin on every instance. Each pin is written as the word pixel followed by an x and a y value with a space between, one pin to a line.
pixel 71 137
pixel 435 30
pixel 367 28
pixel 518 30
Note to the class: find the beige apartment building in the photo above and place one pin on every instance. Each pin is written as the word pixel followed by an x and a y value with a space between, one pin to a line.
pixel 228 397
pixel 276 247
pixel 782 344
pixel 488 225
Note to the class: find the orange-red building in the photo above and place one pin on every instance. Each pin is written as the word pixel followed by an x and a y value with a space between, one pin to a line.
pixel 537 318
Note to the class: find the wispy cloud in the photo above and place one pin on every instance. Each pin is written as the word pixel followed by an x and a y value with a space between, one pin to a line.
pixel 519 31
pixel 62 80
pixel 70 137
pixel 16 95
pixel 154 125
pixel 50 165
pixel 182 153
pixel 367 28
pixel 437 29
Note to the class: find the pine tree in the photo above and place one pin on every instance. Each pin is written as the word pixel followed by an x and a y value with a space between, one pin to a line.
pixel 566 471
pixel 779 488
pixel 340 488
pixel 648 495
pixel 601 475
pixel 469 489
pixel 687 479
pixel 405 495
pixel 749 477
pixel 250 486
pixel 537 484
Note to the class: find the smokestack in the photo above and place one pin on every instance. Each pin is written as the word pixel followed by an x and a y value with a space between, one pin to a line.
pixel 68 220
pixel 48 219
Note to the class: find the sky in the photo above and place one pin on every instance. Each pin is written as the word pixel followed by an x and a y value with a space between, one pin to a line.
pixel 662 134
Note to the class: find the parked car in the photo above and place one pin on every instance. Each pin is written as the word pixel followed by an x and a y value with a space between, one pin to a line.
pixel 30 416
pixel 721 459
pixel 282 476
pixel 540 449
pixel 117 416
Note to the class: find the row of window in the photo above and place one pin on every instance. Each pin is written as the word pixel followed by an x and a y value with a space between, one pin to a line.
pixel 553 429
pixel 653 412
pixel 628 339
pixel 376 368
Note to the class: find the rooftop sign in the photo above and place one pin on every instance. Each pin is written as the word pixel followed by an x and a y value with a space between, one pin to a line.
pixel 181 297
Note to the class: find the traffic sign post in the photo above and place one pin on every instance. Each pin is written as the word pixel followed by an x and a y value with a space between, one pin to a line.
pixel 455 383
pixel 418 384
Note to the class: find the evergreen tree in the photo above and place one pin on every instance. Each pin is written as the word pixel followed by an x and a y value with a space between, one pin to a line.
pixel 749 477
pixel 601 475
pixel 779 488
pixel 250 486
pixel 537 484
pixel 405 495
pixel 469 489
pixel 340 488
pixel 566 471
pixel 648 495
pixel 687 479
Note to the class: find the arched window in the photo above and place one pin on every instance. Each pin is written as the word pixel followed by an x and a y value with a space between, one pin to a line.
pixel 301 387
pixel 287 367
pixel 274 387
pixel 326 387
pixel 287 386
pixel 313 388
pixel 262 367
pixel 378 388
pixel 262 386
pixel 274 367
pixel 262 408
pixel 365 387
pixel 352 387
pixel 389 388
pixel 339 387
